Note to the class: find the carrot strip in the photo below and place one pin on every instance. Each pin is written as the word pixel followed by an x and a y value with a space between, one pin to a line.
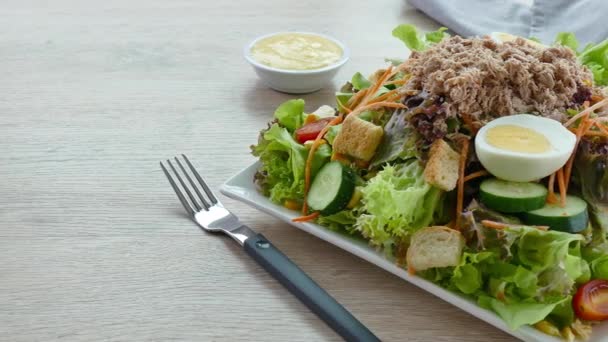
pixel 397 82
pixel 384 96
pixel 500 225
pixel 378 84
pixel 494 224
pixel 585 112
pixel 476 175
pixel 306 218
pixel 346 109
pixel 551 199
pixel 355 100
pixel 582 129
pixel 601 127
pixel 377 105
pixel 464 152
pixel 562 187
pixel 469 122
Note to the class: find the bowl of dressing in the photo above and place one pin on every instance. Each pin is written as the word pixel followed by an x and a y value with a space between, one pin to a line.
pixel 296 62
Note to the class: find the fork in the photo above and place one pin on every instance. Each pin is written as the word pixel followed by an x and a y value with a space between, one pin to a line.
pixel 209 213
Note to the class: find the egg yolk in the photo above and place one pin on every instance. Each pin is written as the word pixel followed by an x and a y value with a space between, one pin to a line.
pixel 517 139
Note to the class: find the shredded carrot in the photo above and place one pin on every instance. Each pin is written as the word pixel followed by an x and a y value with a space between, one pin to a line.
pixel 586 112
pixel 500 225
pixel 601 127
pixel 384 96
pixel 378 84
pixel 596 98
pixel 374 105
pixel 584 125
pixel 464 152
pixel 411 271
pixel 562 187
pixel 494 224
pixel 356 99
pixel 397 82
pixel 469 122
pixel 306 218
pixel 346 109
pixel 476 175
pixel 551 199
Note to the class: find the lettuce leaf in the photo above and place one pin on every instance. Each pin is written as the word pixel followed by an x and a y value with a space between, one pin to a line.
pixel 594 56
pixel 283 159
pixel 396 203
pixel 522 313
pixel 359 81
pixel 417 41
pixel 341 221
pixel 290 114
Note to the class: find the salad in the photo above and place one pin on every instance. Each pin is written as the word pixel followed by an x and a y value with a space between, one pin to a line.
pixel 479 164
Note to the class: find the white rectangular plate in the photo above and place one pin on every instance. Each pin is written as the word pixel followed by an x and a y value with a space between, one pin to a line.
pixel 242 188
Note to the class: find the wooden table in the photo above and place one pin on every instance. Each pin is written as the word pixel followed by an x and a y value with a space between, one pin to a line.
pixel 93 242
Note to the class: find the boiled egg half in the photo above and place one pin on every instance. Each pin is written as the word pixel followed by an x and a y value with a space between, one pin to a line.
pixel 523 147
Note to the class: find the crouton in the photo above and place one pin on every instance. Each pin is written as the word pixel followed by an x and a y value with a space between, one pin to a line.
pixel 358 138
pixel 442 168
pixel 436 246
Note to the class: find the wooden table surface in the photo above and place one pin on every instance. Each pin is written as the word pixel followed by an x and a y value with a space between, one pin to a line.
pixel 93 243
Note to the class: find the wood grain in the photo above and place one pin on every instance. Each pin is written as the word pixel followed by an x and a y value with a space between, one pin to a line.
pixel 93 243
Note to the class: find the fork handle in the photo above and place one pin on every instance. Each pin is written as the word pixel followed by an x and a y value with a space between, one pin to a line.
pixel 309 292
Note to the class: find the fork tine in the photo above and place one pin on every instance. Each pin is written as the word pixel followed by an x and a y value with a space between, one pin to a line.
pixel 202 198
pixel 181 181
pixel 178 192
pixel 200 179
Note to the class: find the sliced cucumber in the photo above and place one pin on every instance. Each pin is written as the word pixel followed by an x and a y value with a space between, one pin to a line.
pixel 332 188
pixel 572 218
pixel 512 197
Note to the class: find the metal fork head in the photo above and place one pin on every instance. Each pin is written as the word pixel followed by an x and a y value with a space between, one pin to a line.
pixel 206 210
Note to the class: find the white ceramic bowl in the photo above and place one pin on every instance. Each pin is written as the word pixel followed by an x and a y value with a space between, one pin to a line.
pixel 296 81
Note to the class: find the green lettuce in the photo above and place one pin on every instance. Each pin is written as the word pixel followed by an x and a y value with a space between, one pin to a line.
pixel 417 41
pixel 341 221
pixel 359 81
pixel 520 313
pixel 594 56
pixel 396 203
pixel 283 159
pixel 599 267
pixel 290 114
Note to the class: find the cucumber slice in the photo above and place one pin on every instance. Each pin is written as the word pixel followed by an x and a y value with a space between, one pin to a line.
pixel 332 188
pixel 512 197
pixel 572 218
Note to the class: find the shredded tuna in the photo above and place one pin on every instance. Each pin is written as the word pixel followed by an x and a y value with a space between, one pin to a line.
pixel 485 79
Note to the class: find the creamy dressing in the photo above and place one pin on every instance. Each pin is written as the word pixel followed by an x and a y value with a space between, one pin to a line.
pixel 517 139
pixel 296 51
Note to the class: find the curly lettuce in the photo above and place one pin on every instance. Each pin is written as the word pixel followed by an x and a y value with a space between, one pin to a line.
pixel 594 56
pixel 396 203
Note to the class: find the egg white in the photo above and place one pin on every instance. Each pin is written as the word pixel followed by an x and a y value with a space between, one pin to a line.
pixel 521 166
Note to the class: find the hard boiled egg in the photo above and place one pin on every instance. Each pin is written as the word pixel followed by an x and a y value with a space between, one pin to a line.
pixel 502 37
pixel 523 147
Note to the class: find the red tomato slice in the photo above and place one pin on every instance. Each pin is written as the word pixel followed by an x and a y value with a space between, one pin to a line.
pixel 591 300
pixel 311 130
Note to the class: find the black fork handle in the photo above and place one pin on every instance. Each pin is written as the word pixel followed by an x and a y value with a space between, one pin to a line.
pixel 309 292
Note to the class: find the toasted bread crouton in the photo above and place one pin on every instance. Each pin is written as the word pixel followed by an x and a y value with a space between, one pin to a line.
pixel 442 168
pixel 358 138
pixel 436 246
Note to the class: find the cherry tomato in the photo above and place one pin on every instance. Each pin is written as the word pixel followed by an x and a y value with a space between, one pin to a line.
pixel 591 300
pixel 311 130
